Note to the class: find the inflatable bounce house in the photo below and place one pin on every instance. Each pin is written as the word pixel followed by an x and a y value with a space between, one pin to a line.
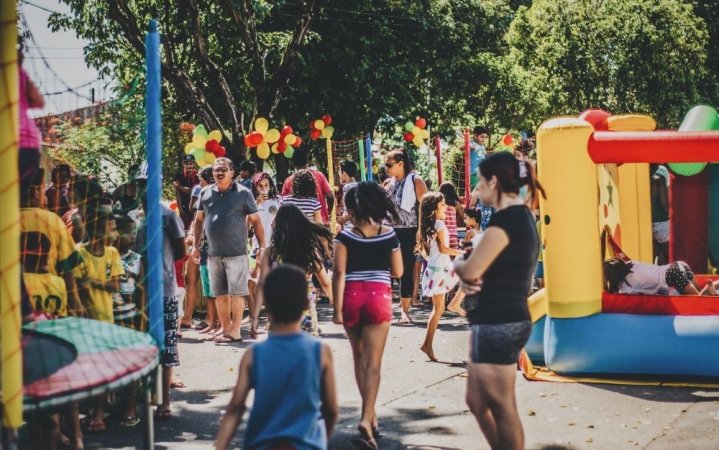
pixel 595 169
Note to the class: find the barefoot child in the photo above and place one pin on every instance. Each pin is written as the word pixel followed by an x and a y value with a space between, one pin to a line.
pixel 292 374
pixel 439 277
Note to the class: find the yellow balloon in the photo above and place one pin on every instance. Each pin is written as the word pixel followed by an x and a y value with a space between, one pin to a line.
pixel 417 140
pixel 415 130
pixel 263 150
pixel 209 158
pixel 290 139
pixel 188 147
pixel 215 135
pixel 319 124
pixel 272 135
pixel 274 148
pixel 424 133
pixel 199 141
pixel 328 132
pixel 261 125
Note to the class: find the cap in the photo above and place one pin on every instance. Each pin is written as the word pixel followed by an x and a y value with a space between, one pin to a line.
pixel 141 173
pixel 188 158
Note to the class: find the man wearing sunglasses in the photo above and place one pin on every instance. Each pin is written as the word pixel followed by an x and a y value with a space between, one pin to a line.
pixel 224 210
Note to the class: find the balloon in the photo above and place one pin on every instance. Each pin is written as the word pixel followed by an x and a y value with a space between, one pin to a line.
pixel 315 134
pixel 327 119
pixel 173 205
pixel 188 147
pixel 298 142
pixel 272 135
pixel 261 125
pixel 199 141
pixel 415 130
pixel 200 131
pixel 212 146
pixel 319 124
pixel 417 140
pixel 687 169
pixel 256 138
pixel 247 141
pixel 281 146
pixel 408 126
pixel 209 159
pixel 421 123
pixel 507 139
pixel 274 148
pixel 328 131
pixel 215 135
pixel 220 151
pixel 424 133
pixel 408 137
pixel 312 125
pixel 289 152
pixel 263 150
pixel 286 130
pixel 187 127
pixel 289 139
pixel 199 154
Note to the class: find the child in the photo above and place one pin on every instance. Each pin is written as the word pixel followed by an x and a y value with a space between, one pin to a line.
pixel 291 373
pixel 98 278
pixel 365 258
pixel 472 220
pixel 304 195
pixel 48 293
pixel 299 241
pixel 439 277
pixel 640 278
pixel 348 178
pixel 131 289
pixel 454 212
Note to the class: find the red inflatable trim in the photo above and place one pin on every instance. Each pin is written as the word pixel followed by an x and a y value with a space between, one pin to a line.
pixel 660 305
pixel 653 146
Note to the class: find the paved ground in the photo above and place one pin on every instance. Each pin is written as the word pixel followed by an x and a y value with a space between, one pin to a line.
pixel 421 404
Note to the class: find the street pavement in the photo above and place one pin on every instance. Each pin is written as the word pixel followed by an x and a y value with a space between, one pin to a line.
pixel 421 404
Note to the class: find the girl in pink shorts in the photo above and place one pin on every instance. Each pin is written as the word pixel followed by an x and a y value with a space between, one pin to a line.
pixel 365 259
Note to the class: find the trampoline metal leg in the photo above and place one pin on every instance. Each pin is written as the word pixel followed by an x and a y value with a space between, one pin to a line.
pixel 149 418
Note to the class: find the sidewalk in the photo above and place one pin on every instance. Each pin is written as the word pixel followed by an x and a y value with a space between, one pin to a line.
pixel 421 404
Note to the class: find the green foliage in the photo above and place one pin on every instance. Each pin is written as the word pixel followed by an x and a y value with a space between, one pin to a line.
pixel 619 55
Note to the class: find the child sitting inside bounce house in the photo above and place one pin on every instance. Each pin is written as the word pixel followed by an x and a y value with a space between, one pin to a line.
pixel 628 277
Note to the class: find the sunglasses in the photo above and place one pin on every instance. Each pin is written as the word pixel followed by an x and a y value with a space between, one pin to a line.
pixel 221 169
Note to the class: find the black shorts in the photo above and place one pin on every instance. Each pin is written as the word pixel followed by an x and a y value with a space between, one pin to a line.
pixel 498 343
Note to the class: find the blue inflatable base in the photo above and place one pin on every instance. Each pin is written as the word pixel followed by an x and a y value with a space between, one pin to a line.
pixel 632 344
pixel 535 345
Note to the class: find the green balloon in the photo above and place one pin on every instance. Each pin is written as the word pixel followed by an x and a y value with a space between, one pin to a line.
pixel 200 130
pixel 289 152
pixel 687 169
pixel 408 126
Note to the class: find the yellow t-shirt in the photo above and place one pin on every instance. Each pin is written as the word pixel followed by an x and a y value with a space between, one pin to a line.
pixel 102 268
pixel 62 256
pixel 48 293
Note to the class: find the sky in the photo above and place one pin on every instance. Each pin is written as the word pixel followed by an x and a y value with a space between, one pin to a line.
pixel 62 52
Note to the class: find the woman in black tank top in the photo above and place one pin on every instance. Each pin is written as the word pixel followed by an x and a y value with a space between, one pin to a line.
pixel 496 277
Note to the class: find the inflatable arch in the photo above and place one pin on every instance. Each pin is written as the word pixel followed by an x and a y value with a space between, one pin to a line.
pixel 596 173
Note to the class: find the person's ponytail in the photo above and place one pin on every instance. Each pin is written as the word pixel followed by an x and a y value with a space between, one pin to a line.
pixel 528 177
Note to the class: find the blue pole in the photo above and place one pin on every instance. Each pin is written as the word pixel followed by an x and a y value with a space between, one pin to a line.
pixel 368 157
pixel 154 185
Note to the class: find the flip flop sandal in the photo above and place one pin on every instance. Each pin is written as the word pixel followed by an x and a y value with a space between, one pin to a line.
pixel 163 414
pixel 129 422
pixel 95 426
pixel 201 326
pixel 224 339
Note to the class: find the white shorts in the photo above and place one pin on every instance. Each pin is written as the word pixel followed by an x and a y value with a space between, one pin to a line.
pixel 228 275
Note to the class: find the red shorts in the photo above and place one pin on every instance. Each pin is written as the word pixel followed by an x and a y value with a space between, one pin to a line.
pixel 366 303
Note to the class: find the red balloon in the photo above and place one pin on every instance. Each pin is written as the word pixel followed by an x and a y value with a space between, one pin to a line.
pixel 507 139
pixel 297 142
pixel 312 124
pixel 212 145
pixel 408 137
pixel 421 123
pixel 247 141
pixel 220 151
pixel 281 147
pixel 327 119
pixel 256 138
pixel 315 134
pixel 286 130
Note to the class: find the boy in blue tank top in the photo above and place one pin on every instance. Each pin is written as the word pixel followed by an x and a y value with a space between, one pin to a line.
pixel 292 373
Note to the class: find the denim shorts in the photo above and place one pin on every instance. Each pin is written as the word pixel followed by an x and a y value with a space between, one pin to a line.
pixel 228 275
pixel 498 343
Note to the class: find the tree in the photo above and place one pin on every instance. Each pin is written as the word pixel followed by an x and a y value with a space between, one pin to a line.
pixel 619 55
